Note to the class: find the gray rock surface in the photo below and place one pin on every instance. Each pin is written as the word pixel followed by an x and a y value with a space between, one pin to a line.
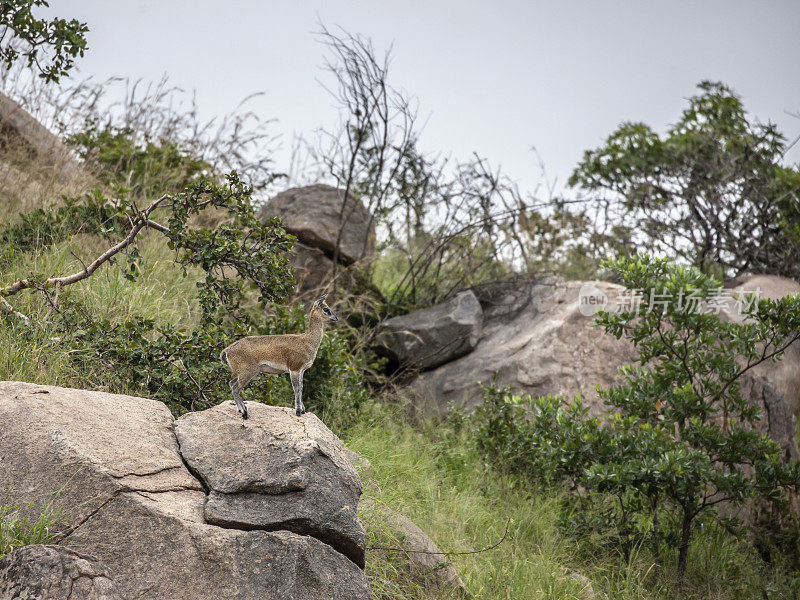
pixel 317 213
pixel 431 337
pixel 551 347
pixel 113 465
pixel 54 573
pixel 276 471
pixel 546 347
pixel 784 374
pixel 28 135
pixel 777 420
pixel 313 271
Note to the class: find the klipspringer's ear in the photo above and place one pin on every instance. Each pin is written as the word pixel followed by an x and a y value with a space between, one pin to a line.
pixel 321 300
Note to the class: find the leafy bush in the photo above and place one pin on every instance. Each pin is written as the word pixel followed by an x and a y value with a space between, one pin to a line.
pixel 713 191
pixel 143 167
pixel 545 439
pixel 93 214
pixel 63 40
pixel 245 276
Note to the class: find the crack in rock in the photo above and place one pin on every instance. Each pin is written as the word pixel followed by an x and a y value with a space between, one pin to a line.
pixel 281 504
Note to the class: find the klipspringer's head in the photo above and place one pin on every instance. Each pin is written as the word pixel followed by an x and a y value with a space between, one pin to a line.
pixel 321 306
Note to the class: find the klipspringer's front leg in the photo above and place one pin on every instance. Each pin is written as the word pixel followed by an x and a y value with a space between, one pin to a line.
pixel 297 386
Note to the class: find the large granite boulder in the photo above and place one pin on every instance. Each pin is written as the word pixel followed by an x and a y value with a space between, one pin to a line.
pixel 777 419
pixel 276 472
pixel 543 341
pixel 547 346
pixel 784 374
pixel 431 337
pixel 54 573
pixel 321 218
pixel 113 465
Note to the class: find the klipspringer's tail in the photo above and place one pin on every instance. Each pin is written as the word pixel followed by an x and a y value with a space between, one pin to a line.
pixel 224 358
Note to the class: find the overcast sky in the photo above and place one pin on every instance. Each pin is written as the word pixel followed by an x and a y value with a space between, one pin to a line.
pixel 491 77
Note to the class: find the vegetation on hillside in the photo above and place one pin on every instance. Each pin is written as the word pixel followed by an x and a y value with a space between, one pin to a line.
pixel 627 503
pixel 681 440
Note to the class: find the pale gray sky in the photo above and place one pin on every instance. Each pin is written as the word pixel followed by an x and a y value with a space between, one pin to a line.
pixel 493 77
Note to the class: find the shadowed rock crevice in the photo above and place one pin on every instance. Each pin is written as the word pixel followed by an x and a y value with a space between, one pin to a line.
pixel 306 527
pixel 189 468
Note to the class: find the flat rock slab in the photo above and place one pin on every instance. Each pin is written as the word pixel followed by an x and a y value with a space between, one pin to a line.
pixel 74 449
pixel 275 471
pixel 54 573
pixel 431 337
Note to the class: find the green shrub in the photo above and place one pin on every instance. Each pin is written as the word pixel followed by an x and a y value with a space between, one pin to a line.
pixel 243 277
pixel 142 167
pixel 42 227
pixel 547 440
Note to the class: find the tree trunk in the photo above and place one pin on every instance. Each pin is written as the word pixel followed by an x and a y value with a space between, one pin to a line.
pixel 686 532
pixel 656 541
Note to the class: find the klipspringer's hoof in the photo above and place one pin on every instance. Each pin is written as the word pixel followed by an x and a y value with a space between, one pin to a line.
pixel 298 412
pixel 244 414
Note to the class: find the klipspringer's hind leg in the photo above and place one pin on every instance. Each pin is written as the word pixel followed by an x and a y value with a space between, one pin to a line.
pixel 237 385
pixel 297 386
pixel 237 398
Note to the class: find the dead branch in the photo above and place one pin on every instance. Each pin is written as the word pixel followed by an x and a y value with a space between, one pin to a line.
pixel 140 221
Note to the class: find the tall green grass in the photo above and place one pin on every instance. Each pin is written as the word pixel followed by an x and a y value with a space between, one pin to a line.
pixel 18 528
pixel 35 354
pixel 433 475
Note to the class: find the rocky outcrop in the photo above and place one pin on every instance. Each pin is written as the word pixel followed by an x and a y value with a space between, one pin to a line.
pixel 545 346
pixel 54 572
pixel 423 558
pixel 777 419
pixel 114 466
pixel 548 344
pixel 313 271
pixel 26 139
pixel 320 217
pixel 784 374
pixel 284 473
pixel 431 337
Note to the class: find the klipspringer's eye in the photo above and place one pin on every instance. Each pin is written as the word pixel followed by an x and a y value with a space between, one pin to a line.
pixel 327 311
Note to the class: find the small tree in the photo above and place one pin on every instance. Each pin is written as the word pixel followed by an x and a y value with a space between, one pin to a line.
pixel 713 190
pixel 679 437
pixel 65 40
pixel 684 435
